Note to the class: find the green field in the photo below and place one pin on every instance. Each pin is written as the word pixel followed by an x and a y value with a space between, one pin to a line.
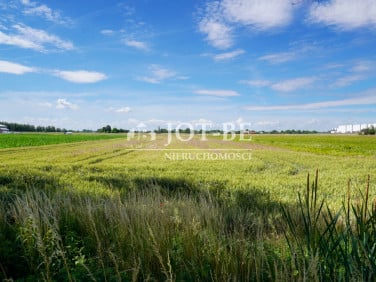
pixel 118 210
pixel 40 139
pixel 341 145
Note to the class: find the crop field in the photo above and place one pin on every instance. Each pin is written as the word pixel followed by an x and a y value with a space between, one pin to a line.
pixel 345 145
pixel 40 139
pixel 113 209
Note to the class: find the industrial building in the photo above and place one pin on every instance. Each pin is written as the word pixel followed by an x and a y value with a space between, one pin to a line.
pixel 352 128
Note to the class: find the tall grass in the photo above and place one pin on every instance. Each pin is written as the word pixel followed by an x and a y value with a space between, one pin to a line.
pixel 145 235
pixel 160 233
pixel 329 246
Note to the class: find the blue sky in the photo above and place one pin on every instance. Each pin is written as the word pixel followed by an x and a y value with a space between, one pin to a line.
pixel 277 64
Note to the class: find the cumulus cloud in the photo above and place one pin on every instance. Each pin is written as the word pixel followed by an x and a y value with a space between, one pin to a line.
pixel 36 39
pixel 258 14
pixel 217 93
pixel 64 104
pixel 157 74
pixel 344 14
pixel 293 84
pixel 14 68
pixel 217 34
pixel 81 76
pixel 222 17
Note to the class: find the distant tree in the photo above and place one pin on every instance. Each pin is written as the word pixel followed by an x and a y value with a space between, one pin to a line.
pixel 105 129
pixel 368 131
pixel 161 130
pixel 19 127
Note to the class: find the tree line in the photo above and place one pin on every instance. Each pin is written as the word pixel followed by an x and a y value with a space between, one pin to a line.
pixel 12 126
pixel 368 131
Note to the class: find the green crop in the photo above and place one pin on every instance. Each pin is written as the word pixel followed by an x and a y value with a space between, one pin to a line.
pixel 40 139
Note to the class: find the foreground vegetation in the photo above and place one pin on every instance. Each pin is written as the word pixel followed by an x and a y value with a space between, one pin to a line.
pixel 108 211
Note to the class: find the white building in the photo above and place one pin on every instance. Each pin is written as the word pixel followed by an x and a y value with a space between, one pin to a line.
pixel 3 129
pixel 352 128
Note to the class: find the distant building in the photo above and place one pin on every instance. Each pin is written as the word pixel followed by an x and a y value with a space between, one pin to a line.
pixel 352 128
pixel 3 129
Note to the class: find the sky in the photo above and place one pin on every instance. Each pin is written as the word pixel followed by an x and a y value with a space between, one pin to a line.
pixel 276 64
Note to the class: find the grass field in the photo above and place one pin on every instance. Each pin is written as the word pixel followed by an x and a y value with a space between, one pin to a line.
pixel 118 210
pixel 341 145
pixel 40 139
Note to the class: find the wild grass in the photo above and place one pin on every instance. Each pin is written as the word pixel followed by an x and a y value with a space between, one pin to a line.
pixel 150 234
pixel 157 233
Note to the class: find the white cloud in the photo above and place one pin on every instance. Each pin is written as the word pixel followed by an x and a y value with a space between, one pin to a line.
pixel 81 76
pixel 293 84
pixel 257 83
pixel 14 68
pixel 19 41
pixel 64 104
pixel 33 8
pixel 157 74
pixel 284 86
pixel 217 34
pixel 45 12
pixel 228 55
pixel 344 14
pixel 123 110
pixel 258 14
pixel 347 80
pixel 221 18
pixel 36 39
pixel 369 100
pixel 218 93
pixel 136 44
pixel 278 57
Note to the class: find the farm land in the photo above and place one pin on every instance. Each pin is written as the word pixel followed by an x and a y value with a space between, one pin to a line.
pixel 94 207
